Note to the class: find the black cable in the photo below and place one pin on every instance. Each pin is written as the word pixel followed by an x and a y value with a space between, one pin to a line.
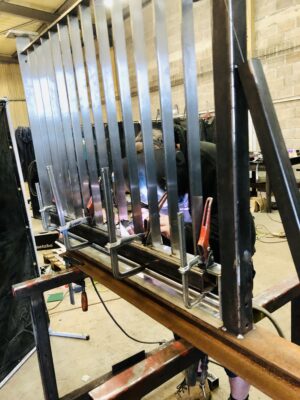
pixel 115 321
pixel 79 308
pixel 214 362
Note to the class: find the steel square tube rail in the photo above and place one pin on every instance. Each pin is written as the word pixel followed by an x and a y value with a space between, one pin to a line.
pixel 275 154
pixel 229 48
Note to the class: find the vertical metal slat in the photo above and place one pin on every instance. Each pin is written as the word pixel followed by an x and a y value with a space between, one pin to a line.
pixel 56 57
pixel 41 154
pixel 94 85
pixel 74 110
pixel 125 97
pixel 43 137
pixel 191 101
pixel 51 123
pixel 137 27
pixel 85 114
pixel 109 93
pixel 167 117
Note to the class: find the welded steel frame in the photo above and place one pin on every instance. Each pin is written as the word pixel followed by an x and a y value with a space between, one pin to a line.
pixel 236 89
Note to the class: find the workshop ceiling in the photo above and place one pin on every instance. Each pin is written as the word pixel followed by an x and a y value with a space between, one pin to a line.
pixel 33 16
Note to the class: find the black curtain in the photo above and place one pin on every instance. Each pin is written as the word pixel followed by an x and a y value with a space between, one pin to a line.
pixel 17 258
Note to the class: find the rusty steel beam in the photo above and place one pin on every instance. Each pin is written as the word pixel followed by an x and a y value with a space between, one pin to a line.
pixel 47 282
pixel 278 295
pixel 140 379
pixel 254 358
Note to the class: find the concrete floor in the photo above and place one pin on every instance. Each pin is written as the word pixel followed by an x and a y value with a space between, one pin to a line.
pixel 77 361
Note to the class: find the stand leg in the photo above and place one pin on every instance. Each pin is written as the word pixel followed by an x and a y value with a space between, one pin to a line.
pixel 42 340
pixel 69 335
pixel 295 319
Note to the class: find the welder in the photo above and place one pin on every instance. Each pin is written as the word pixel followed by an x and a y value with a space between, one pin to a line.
pixel 188 389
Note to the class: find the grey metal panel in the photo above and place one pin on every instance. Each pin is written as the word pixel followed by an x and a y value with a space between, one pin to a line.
pixel 56 57
pixel 125 97
pixel 74 110
pixel 51 123
pixel 47 66
pixel 94 85
pixel 41 154
pixel 85 114
pixel 109 92
pixel 137 27
pixel 167 117
pixel 191 101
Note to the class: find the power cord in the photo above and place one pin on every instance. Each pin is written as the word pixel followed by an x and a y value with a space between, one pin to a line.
pixel 271 318
pixel 116 322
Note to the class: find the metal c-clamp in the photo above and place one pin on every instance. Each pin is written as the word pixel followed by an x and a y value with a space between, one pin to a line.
pixel 186 266
pixel 65 227
pixel 115 243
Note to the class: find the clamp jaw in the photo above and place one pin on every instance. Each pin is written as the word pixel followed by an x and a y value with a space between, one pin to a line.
pixel 203 261
pixel 115 243
pixel 65 227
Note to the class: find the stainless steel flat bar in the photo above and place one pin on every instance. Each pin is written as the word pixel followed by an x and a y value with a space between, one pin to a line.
pixel 74 110
pixel 125 98
pixel 63 165
pixel 42 71
pixel 43 136
pixel 55 54
pixel 94 85
pixel 85 109
pixel 137 28
pixel 191 102
pixel 110 102
pixel 40 151
pixel 167 117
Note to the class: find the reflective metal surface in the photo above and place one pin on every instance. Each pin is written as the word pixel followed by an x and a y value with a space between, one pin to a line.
pixel 41 154
pixel 94 85
pixel 55 55
pixel 110 102
pixel 191 101
pixel 74 112
pixel 161 38
pixel 125 98
pixel 81 84
pixel 137 27
pixel 51 119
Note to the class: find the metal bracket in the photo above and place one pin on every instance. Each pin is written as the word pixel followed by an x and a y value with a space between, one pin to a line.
pixel 186 266
pixel 115 243
pixel 64 227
